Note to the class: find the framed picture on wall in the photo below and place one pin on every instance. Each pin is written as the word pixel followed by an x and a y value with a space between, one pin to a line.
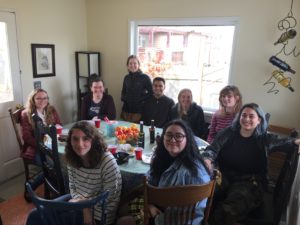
pixel 43 60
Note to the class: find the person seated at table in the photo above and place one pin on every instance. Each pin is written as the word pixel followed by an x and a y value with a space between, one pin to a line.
pixel 241 152
pixel 182 165
pixel 230 100
pixel 136 89
pixel 38 103
pixel 190 112
pixel 97 104
pixel 92 169
pixel 157 106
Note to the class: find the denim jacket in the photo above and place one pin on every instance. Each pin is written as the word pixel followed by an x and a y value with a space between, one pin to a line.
pixel 177 174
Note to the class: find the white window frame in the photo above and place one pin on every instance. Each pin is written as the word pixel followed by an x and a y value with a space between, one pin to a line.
pixel 210 21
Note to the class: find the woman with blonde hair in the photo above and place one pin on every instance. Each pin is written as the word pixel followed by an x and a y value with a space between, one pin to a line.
pixel 38 103
pixel 190 112
pixel 230 100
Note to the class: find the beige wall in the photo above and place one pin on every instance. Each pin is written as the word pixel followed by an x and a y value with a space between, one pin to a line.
pixel 108 32
pixel 58 22
pixel 64 23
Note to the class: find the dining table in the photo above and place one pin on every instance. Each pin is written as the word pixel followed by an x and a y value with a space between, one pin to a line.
pixel 133 170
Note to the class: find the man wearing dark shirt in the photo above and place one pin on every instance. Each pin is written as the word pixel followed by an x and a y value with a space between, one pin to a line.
pixel 158 105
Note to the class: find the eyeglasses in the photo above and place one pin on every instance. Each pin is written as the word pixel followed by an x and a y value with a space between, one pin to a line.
pixel 42 99
pixel 178 137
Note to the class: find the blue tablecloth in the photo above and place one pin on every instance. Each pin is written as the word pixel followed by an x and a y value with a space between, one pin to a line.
pixel 134 170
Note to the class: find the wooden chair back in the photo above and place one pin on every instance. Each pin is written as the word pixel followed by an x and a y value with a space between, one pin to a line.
pixel 16 120
pixel 62 212
pixel 46 143
pixel 178 202
pixel 29 164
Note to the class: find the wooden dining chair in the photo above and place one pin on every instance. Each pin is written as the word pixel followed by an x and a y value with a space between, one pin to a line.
pixel 62 212
pixel 31 168
pixel 46 143
pixel 178 202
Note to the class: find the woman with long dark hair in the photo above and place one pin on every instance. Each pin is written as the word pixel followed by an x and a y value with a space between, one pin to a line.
pixel 241 152
pixel 176 161
pixel 92 169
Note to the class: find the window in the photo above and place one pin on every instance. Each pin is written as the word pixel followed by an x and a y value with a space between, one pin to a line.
pixel 193 54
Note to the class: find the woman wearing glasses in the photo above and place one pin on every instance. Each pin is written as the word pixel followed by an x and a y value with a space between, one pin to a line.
pixel 38 103
pixel 241 152
pixel 182 163
pixel 176 161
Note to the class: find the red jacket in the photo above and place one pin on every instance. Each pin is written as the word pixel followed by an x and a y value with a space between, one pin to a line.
pixel 29 144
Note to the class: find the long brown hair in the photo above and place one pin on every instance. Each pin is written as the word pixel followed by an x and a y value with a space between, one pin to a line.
pixel 97 150
pixel 31 108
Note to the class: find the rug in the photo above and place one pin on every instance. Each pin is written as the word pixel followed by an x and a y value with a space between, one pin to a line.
pixel 14 211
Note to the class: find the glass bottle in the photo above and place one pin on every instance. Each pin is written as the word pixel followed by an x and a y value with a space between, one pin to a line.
pixel 284 81
pixel 141 138
pixel 281 64
pixel 157 138
pixel 152 132
pixel 286 36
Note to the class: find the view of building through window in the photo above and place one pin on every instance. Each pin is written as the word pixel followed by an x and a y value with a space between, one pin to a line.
pixel 195 57
pixel 6 92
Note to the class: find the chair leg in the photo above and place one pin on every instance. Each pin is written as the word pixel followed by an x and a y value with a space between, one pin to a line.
pixel 26 195
pixel 26 166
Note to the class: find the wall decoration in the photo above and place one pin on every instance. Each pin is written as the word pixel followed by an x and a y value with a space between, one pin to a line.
pixel 43 60
pixel 286 25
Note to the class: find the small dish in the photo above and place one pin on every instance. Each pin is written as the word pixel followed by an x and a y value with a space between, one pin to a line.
pixel 126 148
pixel 146 158
pixel 62 138
pixel 121 157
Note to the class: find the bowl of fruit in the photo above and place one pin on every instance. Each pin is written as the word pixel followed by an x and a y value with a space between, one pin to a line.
pixel 127 134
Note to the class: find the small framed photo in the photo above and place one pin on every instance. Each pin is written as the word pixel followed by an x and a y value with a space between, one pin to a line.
pixel 43 60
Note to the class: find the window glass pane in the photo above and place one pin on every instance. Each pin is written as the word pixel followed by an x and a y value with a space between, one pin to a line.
pixel 195 57
pixel 6 91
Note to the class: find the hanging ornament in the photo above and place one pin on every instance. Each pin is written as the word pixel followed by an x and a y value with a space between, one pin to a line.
pixel 281 64
pixel 290 34
pixel 287 25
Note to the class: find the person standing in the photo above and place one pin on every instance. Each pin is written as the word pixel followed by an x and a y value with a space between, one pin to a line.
pixel 230 100
pixel 157 106
pixel 190 112
pixel 136 89
pixel 97 104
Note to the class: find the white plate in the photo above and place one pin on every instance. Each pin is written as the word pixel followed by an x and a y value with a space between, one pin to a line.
pixel 125 148
pixel 65 131
pixel 146 158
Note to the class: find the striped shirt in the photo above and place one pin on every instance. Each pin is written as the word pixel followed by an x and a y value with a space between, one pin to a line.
pixel 218 122
pixel 89 183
